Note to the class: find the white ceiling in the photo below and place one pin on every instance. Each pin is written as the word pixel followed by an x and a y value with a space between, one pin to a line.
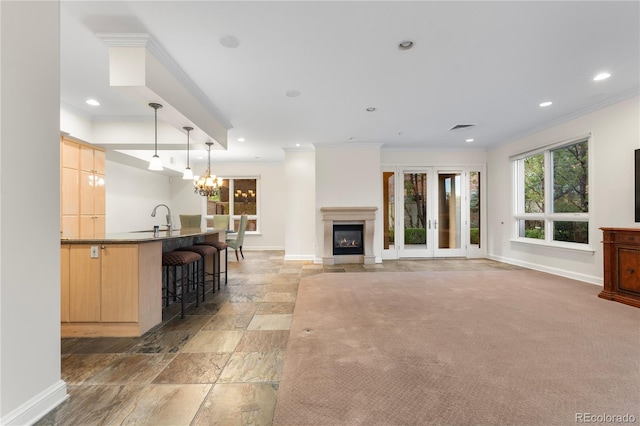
pixel 484 63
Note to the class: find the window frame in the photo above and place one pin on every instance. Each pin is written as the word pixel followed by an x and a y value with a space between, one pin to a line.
pixel 232 216
pixel 236 217
pixel 548 217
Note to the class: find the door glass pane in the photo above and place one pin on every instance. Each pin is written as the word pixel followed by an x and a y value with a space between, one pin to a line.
pixel 388 191
pixel 474 208
pixel 449 211
pixel 415 209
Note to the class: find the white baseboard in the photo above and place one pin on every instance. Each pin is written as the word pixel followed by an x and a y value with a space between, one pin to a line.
pixel 591 279
pixel 310 257
pixel 38 406
pixel 261 248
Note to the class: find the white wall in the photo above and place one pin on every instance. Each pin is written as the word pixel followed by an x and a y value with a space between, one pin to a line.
pixel 615 135
pixel 300 189
pixel 75 124
pixel 131 195
pixel 185 201
pixel 347 176
pixel 471 156
pixel 30 383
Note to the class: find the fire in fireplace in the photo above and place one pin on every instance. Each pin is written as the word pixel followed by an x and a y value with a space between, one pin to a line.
pixel 347 239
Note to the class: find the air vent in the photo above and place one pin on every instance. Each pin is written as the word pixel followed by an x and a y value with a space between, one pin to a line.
pixel 461 126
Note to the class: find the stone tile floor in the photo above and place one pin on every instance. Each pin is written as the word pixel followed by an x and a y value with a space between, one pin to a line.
pixel 220 365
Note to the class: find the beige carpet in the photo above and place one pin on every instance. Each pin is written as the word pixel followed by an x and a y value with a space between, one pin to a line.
pixel 457 348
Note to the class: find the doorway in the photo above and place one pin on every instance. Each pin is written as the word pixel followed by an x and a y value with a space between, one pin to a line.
pixel 435 212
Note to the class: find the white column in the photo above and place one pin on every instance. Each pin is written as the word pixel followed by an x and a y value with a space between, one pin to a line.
pixel 29 211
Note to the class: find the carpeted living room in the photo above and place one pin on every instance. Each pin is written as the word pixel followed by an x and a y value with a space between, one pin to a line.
pixel 511 346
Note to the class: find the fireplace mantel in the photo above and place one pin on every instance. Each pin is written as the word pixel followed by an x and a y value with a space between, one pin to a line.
pixel 346 215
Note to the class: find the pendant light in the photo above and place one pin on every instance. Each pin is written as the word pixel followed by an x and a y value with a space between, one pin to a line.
pixel 188 174
pixel 155 163
pixel 207 185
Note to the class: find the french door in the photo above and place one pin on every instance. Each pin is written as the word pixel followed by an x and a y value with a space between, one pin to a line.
pixel 435 212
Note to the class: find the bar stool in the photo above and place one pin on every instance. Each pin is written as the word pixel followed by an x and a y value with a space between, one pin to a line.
pixel 219 246
pixel 171 260
pixel 203 251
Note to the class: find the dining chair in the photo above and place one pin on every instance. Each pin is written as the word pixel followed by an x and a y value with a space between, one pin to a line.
pixel 236 243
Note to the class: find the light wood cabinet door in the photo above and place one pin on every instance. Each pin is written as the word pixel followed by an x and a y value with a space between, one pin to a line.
pixel 99 158
pixel 70 226
pixel 86 158
pixel 70 154
pixel 70 187
pixel 84 285
pixel 86 226
pixel 64 283
pixel 82 194
pixel 119 293
pixel 99 195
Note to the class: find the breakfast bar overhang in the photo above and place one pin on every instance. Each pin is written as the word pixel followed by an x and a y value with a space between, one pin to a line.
pixel 112 286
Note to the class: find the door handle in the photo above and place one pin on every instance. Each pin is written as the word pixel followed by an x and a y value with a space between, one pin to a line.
pixel 429 224
pixel 435 224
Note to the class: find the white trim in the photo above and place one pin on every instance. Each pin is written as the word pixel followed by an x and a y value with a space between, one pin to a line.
pixel 584 248
pixel 262 248
pixel 590 279
pixel 38 406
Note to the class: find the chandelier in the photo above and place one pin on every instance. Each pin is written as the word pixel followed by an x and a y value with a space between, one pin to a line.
pixel 207 185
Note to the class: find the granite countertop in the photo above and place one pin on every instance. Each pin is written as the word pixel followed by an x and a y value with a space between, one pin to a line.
pixel 143 236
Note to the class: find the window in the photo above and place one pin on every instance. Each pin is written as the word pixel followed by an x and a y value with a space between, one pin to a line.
pixel 237 196
pixel 552 194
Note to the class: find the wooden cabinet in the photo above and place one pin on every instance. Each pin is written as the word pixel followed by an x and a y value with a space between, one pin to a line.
pixel 119 277
pixel 84 285
pixel 64 282
pixel 621 265
pixel 117 293
pixel 69 189
pixel 82 195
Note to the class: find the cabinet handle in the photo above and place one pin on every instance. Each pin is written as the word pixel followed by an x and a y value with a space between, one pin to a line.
pixel 103 247
pixel 630 270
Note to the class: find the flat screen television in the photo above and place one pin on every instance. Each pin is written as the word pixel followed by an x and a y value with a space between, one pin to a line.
pixel 637 171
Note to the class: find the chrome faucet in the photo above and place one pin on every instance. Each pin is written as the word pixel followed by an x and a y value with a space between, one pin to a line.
pixel 153 214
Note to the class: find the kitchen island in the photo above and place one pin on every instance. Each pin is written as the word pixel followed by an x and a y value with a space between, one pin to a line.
pixel 112 286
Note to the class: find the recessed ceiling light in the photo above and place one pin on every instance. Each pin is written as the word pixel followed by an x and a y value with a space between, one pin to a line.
pixel 546 104
pixel 469 140
pixel 93 102
pixel 405 45
pixel 292 93
pixel 229 41
pixel 240 139
pixel 602 76
pixel 297 144
pixel 371 109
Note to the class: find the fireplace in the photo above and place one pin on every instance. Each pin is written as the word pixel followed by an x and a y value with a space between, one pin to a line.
pixel 347 239
pixel 360 220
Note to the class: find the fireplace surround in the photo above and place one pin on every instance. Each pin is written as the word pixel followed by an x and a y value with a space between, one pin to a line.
pixel 364 216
